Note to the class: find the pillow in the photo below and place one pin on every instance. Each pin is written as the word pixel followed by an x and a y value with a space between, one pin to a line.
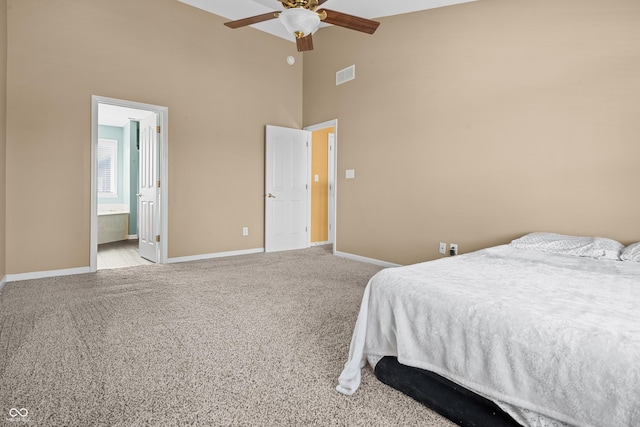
pixel 631 253
pixel 583 246
pixel 612 248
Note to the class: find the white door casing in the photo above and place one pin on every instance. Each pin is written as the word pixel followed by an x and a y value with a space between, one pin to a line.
pixel 148 189
pixel 333 160
pixel 286 189
pixel 162 114
pixel 332 187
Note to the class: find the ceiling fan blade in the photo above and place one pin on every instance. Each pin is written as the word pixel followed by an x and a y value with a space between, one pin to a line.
pixel 304 43
pixel 350 21
pixel 320 2
pixel 252 20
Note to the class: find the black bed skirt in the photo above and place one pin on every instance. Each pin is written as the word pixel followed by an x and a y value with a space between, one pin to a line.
pixel 447 398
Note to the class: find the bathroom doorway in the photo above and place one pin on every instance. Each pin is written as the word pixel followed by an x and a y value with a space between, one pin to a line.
pixel 128 162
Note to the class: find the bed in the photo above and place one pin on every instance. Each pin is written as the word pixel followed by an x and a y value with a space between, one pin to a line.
pixel 546 328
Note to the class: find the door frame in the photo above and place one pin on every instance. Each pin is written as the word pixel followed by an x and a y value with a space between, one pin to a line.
pixel 163 117
pixel 333 162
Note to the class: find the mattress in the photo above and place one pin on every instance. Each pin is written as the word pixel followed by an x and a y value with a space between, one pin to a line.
pixel 449 399
pixel 557 335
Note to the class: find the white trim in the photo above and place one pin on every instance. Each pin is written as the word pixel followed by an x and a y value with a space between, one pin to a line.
pixel 84 270
pixel 322 125
pixel 365 259
pixel 93 231
pixel 45 274
pixel 319 126
pixel 331 208
pixel 132 236
pixel 163 114
pixel 309 183
pixel 213 255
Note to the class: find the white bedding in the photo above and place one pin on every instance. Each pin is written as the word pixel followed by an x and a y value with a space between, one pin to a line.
pixel 555 334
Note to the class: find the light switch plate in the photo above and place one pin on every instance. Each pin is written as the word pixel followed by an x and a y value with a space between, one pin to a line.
pixel 350 174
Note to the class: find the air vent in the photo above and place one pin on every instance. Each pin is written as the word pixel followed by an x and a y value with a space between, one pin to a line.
pixel 345 75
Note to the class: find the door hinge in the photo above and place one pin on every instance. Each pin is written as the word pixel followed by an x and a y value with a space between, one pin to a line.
pixel 157 238
pixel 158 184
pixel 306 229
pixel 158 128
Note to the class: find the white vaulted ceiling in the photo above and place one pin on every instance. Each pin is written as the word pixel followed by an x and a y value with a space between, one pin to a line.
pixel 370 9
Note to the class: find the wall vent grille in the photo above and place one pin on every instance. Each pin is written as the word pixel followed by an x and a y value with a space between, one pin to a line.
pixel 345 75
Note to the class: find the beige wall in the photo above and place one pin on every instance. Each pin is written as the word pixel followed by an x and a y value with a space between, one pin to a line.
pixel 221 87
pixel 477 123
pixel 3 133
pixel 470 124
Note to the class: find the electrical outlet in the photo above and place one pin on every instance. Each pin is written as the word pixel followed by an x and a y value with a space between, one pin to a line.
pixel 453 249
pixel 245 231
pixel 443 248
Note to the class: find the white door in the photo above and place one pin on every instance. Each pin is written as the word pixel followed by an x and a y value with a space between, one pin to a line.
pixel 286 189
pixel 148 189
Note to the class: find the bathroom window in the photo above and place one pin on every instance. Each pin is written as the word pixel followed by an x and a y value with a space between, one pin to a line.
pixel 107 161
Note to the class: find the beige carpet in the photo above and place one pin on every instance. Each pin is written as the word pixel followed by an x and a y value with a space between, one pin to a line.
pixel 249 340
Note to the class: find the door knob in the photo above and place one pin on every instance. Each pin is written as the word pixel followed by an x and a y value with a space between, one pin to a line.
pixel 271 196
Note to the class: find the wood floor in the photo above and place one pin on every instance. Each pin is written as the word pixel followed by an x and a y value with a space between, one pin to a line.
pixel 119 255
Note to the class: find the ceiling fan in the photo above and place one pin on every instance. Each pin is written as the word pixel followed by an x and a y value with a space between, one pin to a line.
pixel 301 19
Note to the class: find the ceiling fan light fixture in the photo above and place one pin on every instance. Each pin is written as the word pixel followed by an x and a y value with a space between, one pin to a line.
pixel 299 21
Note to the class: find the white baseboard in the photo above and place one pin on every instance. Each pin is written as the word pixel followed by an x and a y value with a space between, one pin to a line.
pixel 83 270
pixel 365 259
pixel 44 274
pixel 132 236
pixel 213 255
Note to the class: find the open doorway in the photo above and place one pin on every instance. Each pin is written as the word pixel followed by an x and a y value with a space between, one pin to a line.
pixel 128 163
pixel 322 207
pixel 300 207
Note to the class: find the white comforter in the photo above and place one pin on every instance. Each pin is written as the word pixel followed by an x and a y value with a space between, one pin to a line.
pixel 555 334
